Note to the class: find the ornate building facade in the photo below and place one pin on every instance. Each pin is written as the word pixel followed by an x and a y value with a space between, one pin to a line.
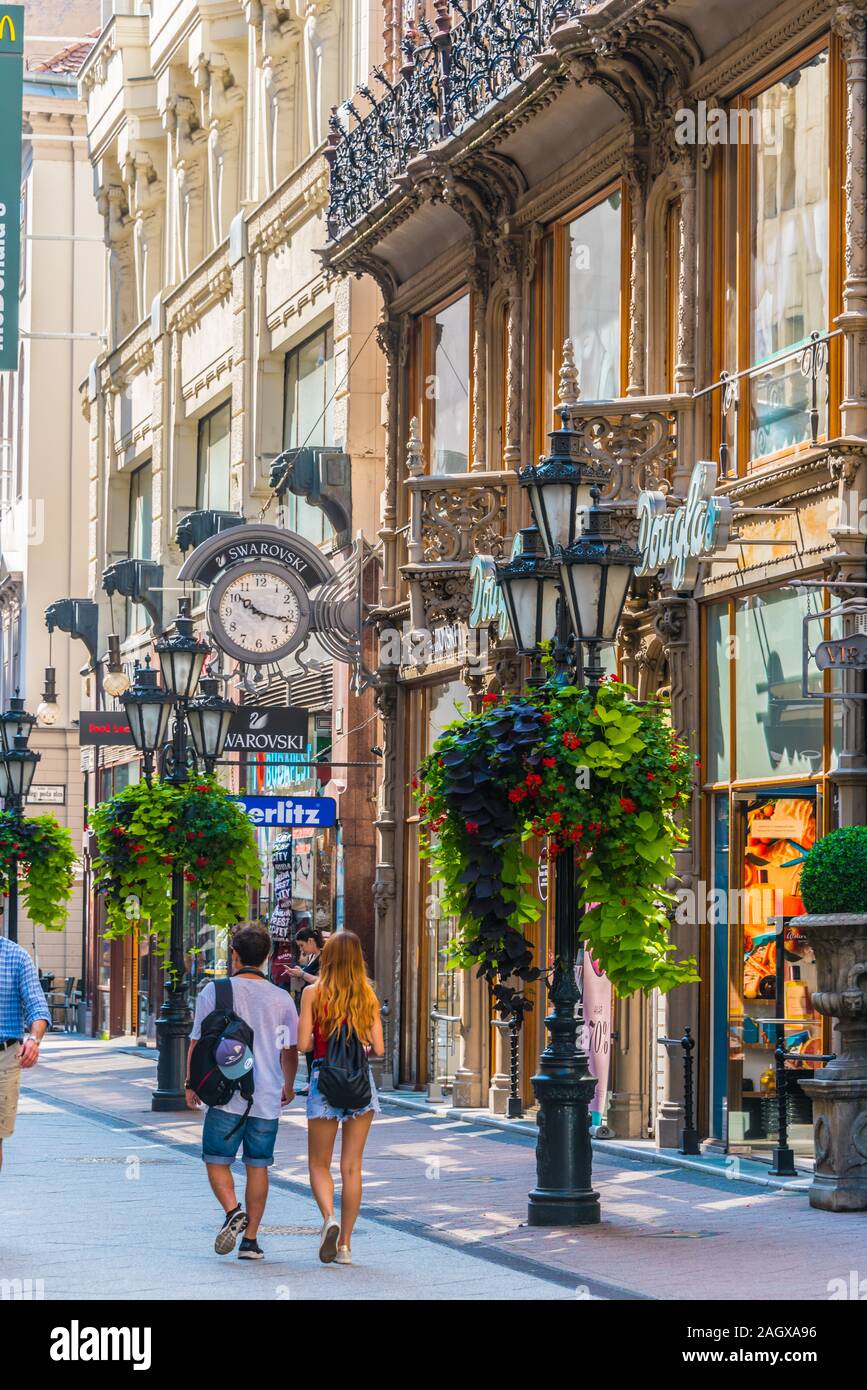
pixel 677 191
pixel 227 344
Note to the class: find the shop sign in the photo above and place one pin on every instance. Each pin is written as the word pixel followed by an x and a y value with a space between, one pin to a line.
pixel 256 543
pixel 676 540
pixel 267 811
pixel 11 87
pixel 849 653
pixel 486 597
pixel 101 728
pixel 263 730
pixel 47 796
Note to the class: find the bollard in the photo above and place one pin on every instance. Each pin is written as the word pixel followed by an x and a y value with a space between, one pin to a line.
pixel 515 1108
pixel 784 1158
pixel 689 1134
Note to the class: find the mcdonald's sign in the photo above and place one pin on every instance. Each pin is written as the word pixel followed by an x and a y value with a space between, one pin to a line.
pixel 11 84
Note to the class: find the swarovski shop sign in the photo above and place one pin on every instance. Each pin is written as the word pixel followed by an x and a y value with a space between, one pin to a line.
pixel 676 539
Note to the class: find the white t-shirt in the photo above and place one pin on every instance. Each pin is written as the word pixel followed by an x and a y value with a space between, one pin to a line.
pixel 273 1017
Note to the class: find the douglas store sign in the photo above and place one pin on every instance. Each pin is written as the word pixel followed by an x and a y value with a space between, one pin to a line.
pixel 676 539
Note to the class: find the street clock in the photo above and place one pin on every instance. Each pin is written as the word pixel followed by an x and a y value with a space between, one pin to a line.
pixel 258 612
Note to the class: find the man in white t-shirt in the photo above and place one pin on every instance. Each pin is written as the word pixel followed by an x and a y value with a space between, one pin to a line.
pixel 273 1018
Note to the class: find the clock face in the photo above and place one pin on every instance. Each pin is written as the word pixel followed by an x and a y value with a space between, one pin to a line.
pixel 258 614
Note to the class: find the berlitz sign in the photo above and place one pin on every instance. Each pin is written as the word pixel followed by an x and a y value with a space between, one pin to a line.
pixel 676 539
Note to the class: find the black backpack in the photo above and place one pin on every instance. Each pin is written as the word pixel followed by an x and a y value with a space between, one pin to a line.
pixel 344 1073
pixel 206 1078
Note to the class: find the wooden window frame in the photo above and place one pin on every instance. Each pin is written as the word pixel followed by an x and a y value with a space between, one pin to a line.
pixel 422 367
pixel 559 304
pixel 734 248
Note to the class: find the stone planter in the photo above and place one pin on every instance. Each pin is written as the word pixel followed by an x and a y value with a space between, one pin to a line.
pixel 839 1090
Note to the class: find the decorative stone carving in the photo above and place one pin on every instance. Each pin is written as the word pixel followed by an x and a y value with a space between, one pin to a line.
pixel 839 1090
pixel 322 20
pixel 187 142
pixel 112 204
pixel 638 448
pixel 457 524
pixel 145 195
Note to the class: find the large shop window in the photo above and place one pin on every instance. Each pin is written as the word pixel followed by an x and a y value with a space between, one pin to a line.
pixel 139 534
pixel 777 731
pixel 593 248
pixel 308 420
pixel 446 352
pixel 780 256
pixel 772 969
pixel 213 470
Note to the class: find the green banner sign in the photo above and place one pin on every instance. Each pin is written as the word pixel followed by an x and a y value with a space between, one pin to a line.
pixel 11 83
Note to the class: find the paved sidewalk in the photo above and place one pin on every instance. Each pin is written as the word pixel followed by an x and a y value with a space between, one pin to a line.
pixel 445 1203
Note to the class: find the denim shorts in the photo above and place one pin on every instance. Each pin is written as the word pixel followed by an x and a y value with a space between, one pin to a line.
pixel 257 1136
pixel 319 1109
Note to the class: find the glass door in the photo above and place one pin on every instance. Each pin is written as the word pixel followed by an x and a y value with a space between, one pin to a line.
pixel 770 995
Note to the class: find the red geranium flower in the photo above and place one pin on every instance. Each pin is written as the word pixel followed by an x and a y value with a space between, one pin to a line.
pixel 549 762
pixel 517 794
pixel 201 861
pixel 560 787
pixel 651 776
pixel 490 698
pixel 555 817
pixel 414 784
pixel 627 804
pixel 141 859
pixel 547 717
pixel 472 827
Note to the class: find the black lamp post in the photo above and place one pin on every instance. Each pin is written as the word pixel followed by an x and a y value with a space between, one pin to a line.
pixel 17 769
pixel 199 732
pixel 589 568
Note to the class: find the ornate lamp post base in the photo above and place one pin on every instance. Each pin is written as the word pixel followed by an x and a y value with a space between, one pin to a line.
pixel 173 1036
pixel 564 1157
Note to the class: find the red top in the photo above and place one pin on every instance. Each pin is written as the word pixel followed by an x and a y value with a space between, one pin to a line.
pixel 320 1042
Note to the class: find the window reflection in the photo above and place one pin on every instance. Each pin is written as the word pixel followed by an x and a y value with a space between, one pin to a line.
pixel 789 250
pixel 448 389
pixel 308 420
pixel 213 473
pixel 594 297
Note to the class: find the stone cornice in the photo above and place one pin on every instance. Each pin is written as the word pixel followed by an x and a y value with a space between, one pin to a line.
pixel 743 59
pixel 209 283
pixel 298 199
pixel 593 168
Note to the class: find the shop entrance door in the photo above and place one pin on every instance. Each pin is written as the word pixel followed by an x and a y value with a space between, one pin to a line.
pixel 772 831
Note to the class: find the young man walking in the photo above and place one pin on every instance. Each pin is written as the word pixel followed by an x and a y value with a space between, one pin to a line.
pixel 24 1018
pixel 272 1015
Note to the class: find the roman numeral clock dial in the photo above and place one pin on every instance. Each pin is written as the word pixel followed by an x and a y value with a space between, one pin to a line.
pixel 258 613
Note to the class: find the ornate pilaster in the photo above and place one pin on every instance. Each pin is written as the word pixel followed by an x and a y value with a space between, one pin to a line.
pixel 391 338
pixel 112 204
pixel 511 260
pixel 850 24
pixel 676 624
pixel 479 284
pixel 469 1075
pixel 385 882
pixel 684 367
pixel 635 174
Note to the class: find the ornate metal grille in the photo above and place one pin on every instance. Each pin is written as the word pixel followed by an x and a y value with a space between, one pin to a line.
pixel 451 75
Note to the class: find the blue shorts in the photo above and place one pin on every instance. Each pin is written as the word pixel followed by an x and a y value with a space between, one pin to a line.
pixel 319 1109
pixel 257 1137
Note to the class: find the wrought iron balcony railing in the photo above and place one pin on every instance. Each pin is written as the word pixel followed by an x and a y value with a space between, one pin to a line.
pixel 452 73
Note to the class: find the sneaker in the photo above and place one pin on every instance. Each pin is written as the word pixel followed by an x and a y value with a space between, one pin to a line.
pixel 328 1240
pixel 344 1255
pixel 251 1250
pixel 234 1224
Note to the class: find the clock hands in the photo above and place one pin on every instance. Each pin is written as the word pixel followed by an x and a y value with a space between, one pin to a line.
pixel 260 612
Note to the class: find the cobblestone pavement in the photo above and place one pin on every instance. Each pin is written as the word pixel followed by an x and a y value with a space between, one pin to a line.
pixel 445 1203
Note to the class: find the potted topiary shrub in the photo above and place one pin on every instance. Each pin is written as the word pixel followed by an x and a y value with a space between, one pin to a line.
pixel 834 892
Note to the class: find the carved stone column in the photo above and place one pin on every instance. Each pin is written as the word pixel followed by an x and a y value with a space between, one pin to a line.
pixel 479 284
pixel 390 336
pixel 848 466
pixel 498 1092
pixel 684 367
pixel 385 882
pixel 676 623
pixel 469 1077
pixel 512 265
pixel 635 174
pixel 850 24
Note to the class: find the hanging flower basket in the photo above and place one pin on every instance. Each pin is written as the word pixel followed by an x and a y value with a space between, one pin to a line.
pixel 602 775
pixel 144 832
pixel 43 849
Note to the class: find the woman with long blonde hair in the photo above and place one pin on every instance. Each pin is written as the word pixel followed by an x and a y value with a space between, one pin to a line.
pixel 341 999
